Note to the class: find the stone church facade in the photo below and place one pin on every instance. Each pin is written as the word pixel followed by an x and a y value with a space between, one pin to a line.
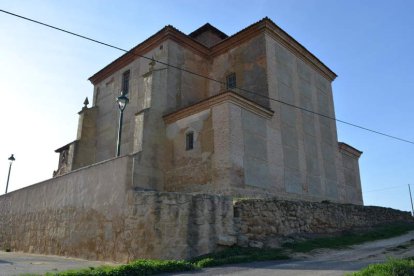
pixel 228 134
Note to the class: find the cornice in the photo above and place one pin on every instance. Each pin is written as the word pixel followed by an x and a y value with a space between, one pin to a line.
pixel 348 149
pixel 141 49
pixel 268 27
pixel 225 97
pixel 236 39
pixel 65 147
pixel 265 26
pixel 297 49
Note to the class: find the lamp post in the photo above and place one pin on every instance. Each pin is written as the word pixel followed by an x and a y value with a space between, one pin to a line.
pixel 11 159
pixel 122 103
pixel 411 199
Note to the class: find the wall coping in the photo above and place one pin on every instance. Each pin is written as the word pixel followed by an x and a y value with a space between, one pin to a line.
pixel 44 182
pixel 229 97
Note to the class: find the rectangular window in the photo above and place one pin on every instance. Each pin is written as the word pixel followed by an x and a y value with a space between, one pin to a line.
pixel 125 82
pixel 231 81
pixel 189 141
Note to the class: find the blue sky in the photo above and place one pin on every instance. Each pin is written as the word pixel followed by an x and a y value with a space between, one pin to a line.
pixel 43 73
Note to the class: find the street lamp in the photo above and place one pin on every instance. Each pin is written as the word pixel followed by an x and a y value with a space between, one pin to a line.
pixel 11 159
pixel 122 103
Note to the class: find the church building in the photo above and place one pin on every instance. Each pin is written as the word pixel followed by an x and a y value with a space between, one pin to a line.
pixel 218 114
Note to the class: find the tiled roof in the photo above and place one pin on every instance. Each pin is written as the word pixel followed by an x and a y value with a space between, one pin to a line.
pixel 208 27
pixel 263 23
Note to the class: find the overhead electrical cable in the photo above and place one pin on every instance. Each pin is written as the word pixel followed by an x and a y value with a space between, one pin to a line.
pixel 209 78
pixel 387 188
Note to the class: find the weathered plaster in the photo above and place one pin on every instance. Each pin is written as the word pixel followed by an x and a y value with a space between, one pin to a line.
pixel 245 143
pixel 94 213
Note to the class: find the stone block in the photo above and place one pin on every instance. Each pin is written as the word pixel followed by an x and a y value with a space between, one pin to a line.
pixel 330 171
pixel 293 181
pixel 253 123
pixel 289 136
pixel 256 172
pixel 226 240
pixel 304 71
pixel 286 93
pixel 255 146
pixel 285 58
pixel 256 244
pixel 314 185
pixel 285 77
pixel 331 189
pixel 291 158
pixel 288 115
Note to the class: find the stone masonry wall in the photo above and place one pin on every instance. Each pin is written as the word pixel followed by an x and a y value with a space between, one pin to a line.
pixel 178 226
pixel 95 213
pixel 264 222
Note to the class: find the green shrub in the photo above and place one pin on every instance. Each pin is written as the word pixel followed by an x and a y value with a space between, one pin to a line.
pixel 150 267
pixel 240 255
pixel 404 267
pixel 139 267
pixel 237 254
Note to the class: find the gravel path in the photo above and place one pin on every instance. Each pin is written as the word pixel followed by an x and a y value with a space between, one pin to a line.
pixel 323 262
pixel 16 263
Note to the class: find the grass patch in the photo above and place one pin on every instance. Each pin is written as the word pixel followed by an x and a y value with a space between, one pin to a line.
pixel 238 255
pixel 151 267
pixel 138 267
pixel 390 268
pixel 351 238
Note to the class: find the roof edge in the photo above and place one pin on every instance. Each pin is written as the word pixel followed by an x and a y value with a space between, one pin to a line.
pixel 268 26
pixel 168 32
pixel 349 149
pixel 205 27
pixel 62 148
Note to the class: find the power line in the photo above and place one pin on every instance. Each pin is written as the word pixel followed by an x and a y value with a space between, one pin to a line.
pixel 385 188
pixel 209 78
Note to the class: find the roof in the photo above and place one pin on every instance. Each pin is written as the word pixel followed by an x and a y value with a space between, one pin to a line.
pixel 208 27
pixel 65 147
pixel 345 147
pixel 170 32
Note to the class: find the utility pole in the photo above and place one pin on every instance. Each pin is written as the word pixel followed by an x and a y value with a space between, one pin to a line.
pixel 411 198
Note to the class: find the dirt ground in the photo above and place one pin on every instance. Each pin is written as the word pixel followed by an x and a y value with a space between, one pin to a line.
pixel 397 247
pixel 16 263
pixel 324 262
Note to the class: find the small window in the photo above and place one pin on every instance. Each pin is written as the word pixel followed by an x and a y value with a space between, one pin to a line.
pixel 125 82
pixel 189 141
pixel 231 81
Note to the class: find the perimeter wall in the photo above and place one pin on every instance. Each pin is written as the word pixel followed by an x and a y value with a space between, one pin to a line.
pixel 95 213
pixel 267 222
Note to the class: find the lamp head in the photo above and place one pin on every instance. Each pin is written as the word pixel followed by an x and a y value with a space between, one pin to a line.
pixel 122 101
pixel 11 158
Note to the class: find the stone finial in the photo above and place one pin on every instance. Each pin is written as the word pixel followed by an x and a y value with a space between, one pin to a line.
pixel 152 63
pixel 85 103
